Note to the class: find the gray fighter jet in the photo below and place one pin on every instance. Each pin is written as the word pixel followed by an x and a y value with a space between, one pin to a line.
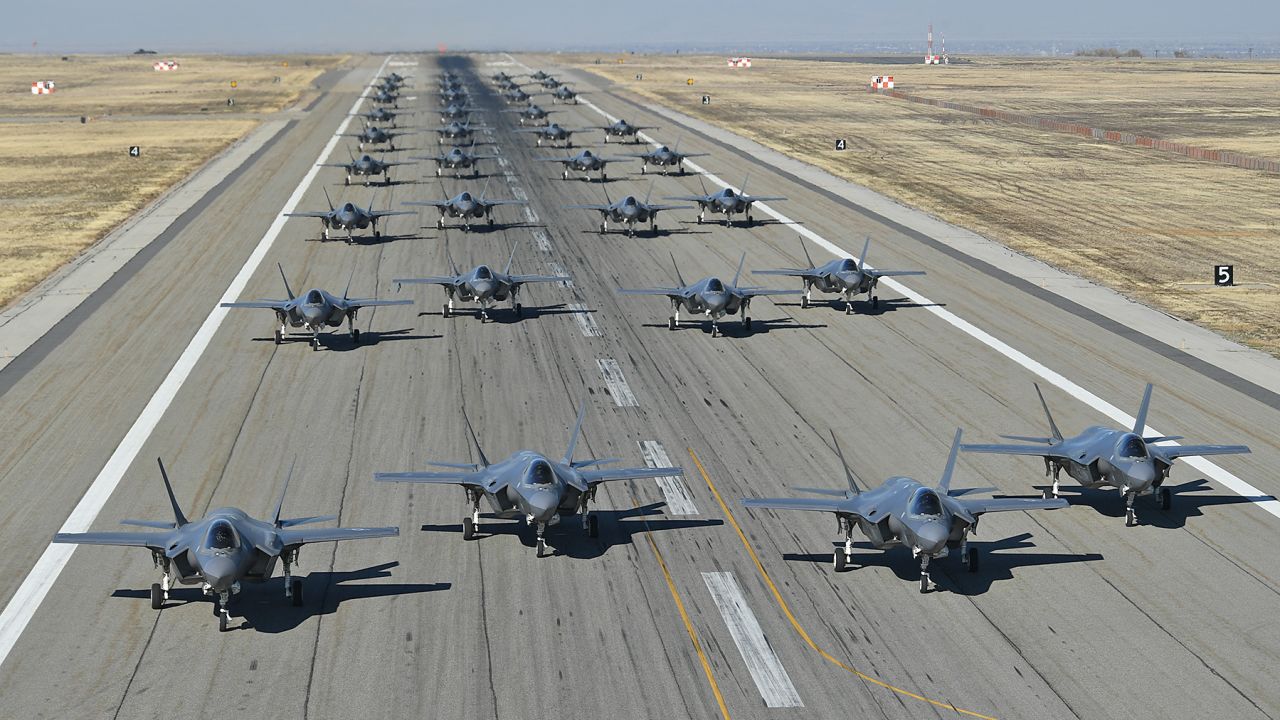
pixel 483 285
pixel 349 217
pixel 727 202
pixel 842 275
pixel 386 97
pixel 531 486
pixel 382 115
pixel 454 97
pixel 552 133
pixel 366 166
pixel 564 94
pixel 1110 457
pixel 373 135
pixel 710 297
pixel 315 310
pixel 530 114
pixel 395 78
pixel 664 157
pixel 500 77
pixel 515 96
pixel 466 207
pixel 457 112
pixel 456 159
pixel 624 129
pixel 584 162
pixel 508 85
pixel 549 83
pixel 628 211
pixel 902 511
pixel 224 548
pixel 457 131
pixel 538 75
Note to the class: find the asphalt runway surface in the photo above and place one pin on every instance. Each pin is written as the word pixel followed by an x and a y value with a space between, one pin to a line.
pixel 687 605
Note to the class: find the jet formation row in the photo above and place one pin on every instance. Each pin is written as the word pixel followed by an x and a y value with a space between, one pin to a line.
pixel 228 547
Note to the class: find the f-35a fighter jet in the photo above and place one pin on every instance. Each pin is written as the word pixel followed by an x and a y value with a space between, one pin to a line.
pixel 903 511
pixel 531 486
pixel 842 275
pixel 532 114
pixel 457 131
pixel 552 133
pixel 224 549
pixel 382 115
pixel 483 285
pixel 515 96
pixel 629 211
pixel 565 95
pixel 726 202
pixel 1101 456
pixel 373 135
pixel 457 112
pixel 624 129
pixel 366 166
pixel 386 96
pixel 466 206
pixel 349 217
pixel 315 310
pixel 584 162
pixel 457 159
pixel 710 297
pixel 665 157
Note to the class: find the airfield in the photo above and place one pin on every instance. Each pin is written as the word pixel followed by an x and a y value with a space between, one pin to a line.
pixel 687 605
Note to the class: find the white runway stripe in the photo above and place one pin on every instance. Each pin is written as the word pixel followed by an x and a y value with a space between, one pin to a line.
pixel 542 241
pixel 763 663
pixel 617 384
pixel 558 269
pixel 679 502
pixel 586 323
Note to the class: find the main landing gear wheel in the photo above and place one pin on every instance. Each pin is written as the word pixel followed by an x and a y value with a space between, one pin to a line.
pixel 438 172
pixel 468 529
pixel 542 547
pixel 875 302
pixel 1164 498
pixel 671 323
pixel 593 526
pixel 519 310
pixel 279 336
pixel 355 336
pixel 848 307
pixel 222 621
pixel 297 592
pixel 924 583
pixel 839 560
pixel 746 324
pixel 971 560
pixel 315 343
pixel 347 181
pixel 804 303
pixel 1130 517
pixel 157 596
pixel 446 312
pixel 715 330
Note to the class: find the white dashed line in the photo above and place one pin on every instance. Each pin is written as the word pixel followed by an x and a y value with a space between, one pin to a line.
pixel 679 502
pixel 766 669
pixel 617 384
pixel 586 323
pixel 542 241
pixel 530 215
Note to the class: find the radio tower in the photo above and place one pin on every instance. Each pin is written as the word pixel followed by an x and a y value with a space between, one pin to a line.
pixel 930 53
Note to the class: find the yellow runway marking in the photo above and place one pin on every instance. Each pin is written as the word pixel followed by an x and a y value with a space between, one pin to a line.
pixel 688 624
pixel 796 623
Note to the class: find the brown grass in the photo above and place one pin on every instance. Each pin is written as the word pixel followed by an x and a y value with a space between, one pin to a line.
pixel 1147 223
pixel 64 184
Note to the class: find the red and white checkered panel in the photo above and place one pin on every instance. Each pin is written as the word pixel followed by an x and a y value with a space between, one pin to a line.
pixel 42 87
pixel 882 82
pixel 165 65
pixel 932 59
pixel 740 62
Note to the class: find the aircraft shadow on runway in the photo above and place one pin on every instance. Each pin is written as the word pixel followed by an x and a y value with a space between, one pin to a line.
pixel 863 307
pixel 733 328
pixel 568 538
pixel 1184 506
pixel 743 223
pixel 263 607
pixel 341 342
pixel 646 232
pixel 378 185
pixel 993 564
pixel 503 315
pixel 365 240
pixel 482 228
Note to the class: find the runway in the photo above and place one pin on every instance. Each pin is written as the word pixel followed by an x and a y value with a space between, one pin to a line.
pixel 687 605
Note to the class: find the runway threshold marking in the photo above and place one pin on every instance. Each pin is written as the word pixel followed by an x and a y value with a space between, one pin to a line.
pixel 766 669
pixel 684 616
pixel 1224 477
pixel 617 384
pixel 804 635
pixel 586 323
pixel 679 501
pixel 36 585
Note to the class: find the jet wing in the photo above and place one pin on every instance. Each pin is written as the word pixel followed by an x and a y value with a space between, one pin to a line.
pixel 505 202
pixel 292 538
pixel 387 213
pixel 656 208
pixel 337 165
pixel 669 292
pixel 440 280
pixel 153 540
pixel 564 161
pixel 598 476
pixel 1052 451
pixel 894 273
pixel 265 304
pixel 427 203
pixel 471 478
pixel 702 199
pixel 792 272
pixel 357 303
pixel 760 198
pixel 754 292
pixel 986 505
pixel 308 214
pixel 854 506
pixel 1169 453
pixel 601 208
pixel 521 279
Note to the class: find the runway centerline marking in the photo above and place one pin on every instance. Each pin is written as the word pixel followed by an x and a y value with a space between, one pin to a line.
pixel 679 501
pixel 617 384
pixel 586 323
pixel 530 215
pixel 766 669
pixel 1224 477
pixel 786 610
pixel 541 240
pixel 36 585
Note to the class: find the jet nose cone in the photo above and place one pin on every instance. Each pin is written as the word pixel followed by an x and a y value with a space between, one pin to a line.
pixel 219 572
pixel 542 504
pixel 483 288
pixel 716 301
pixel 931 537
pixel 1141 475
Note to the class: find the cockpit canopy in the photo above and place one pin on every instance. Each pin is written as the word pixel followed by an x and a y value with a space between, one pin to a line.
pixel 629 201
pixel 587 154
pixel 222 536
pixel 728 192
pixel 465 197
pixel 925 502
pixel 539 473
pixel 348 208
pixel 662 150
pixel 484 273
pixel 848 265
pixel 714 285
pixel 1131 446
pixel 315 298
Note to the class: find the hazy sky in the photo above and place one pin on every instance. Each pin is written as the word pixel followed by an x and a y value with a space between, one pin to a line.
pixel 329 25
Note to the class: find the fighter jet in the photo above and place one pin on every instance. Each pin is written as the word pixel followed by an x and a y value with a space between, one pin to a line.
pixel 447 84
pixel 457 131
pixel 499 77
pixel 315 310
pixel 903 511
pixel 482 285
pixel 386 97
pixel 456 112
pixel 622 129
pixel 224 548
pixel 382 115
pixel 550 83
pixel 665 157
pixel 349 217
pixel 530 485
pixel 726 202
pixel 515 96
pixel 508 85
pixel 373 135
pixel 530 114
pixel 629 211
pixel 842 275
pixel 395 78
pixel 454 97
pixel 1101 456
pixel 710 297
pixel 564 94
pixel 552 133
pixel 538 75
pixel 466 206
pixel 456 159
pixel 584 162
pixel 366 167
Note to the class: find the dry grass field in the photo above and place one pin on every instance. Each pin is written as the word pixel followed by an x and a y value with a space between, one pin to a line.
pixel 64 184
pixel 1148 223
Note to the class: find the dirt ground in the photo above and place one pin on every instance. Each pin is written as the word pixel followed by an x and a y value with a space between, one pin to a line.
pixel 1147 223
pixel 65 184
